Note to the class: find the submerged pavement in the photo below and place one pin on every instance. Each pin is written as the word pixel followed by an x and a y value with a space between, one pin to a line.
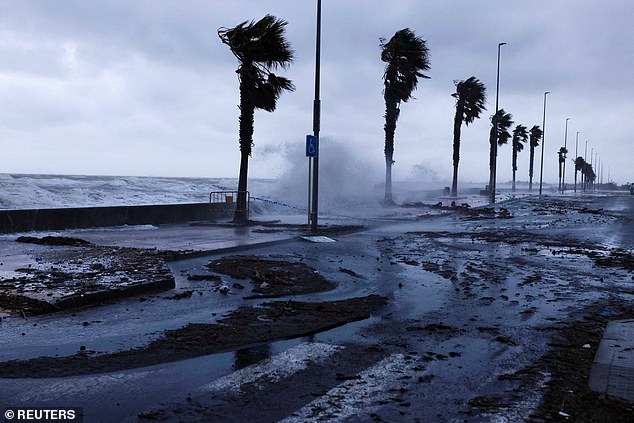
pixel 481 313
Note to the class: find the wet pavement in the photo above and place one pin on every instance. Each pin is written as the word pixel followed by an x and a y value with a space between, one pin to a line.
pixel 477 302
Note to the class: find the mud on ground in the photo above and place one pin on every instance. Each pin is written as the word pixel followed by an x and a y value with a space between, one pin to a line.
pixel 272 278
pixel 245 326
pixel 72 272
pixel 567 368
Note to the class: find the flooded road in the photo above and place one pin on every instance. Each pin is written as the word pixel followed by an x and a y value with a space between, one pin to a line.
pixel 477 303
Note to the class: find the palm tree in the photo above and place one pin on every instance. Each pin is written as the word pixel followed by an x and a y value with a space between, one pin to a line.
pixel 406 56
pixel 587 173
pixel 580 164
pixel 562 159
pixel 470 97
pixel 520 136
pixel 500 124
pixel 260 47
pixel 535 137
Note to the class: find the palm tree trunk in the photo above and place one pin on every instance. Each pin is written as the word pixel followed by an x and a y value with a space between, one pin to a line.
pixel 492 141
pixel 530 169
pixel 391 115
pixel 457 122
pixel 388 182
pixel 246 141
pixel 514 164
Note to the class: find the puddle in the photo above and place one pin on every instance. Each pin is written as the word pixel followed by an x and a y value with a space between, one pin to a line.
pixel 119 395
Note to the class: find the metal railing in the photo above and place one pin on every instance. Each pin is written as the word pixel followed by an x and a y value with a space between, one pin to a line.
pixel 229 197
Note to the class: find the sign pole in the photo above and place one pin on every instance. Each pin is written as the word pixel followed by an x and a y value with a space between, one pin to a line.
pixel 316 121
pixel 310 171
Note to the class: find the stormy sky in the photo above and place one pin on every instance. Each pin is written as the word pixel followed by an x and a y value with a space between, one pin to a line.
pixel 145 87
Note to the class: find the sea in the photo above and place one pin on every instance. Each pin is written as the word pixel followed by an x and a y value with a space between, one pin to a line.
pixel 36 191
pixel 346 198
pixel 24 191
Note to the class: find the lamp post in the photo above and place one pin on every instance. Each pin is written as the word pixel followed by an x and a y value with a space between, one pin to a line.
pixel 495 142
pixel 541 171
pixel 563 175
pixel 314 211
pixel 576 155
pixel 585 160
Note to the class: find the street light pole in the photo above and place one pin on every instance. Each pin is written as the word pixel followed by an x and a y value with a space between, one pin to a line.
pixel 314 212
pixel 495 142
pixel 541 172
pixel 576 155
pixel 585 160
pixel 563 176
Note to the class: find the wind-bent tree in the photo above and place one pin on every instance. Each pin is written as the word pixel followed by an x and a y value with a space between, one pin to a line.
pixel 562 159
pixel 406 57
pixel 535 136
pixel 579 165
pixel 260 47
pixel 500 124
pixel 587 173
pixel 470 97
pixel 520 136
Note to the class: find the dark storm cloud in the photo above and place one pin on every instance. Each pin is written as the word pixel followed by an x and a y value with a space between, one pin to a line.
pixel 142 77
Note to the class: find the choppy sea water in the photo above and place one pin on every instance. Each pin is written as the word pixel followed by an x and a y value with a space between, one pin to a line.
pixel 54 191
pixel 272 196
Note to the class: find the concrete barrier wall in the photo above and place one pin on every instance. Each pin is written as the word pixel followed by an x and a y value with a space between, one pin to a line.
pixel 91 217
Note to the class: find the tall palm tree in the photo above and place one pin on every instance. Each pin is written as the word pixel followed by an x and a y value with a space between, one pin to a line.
pixel 579 167
pixel 520 136
pixel 562 159
pixel 260 47
pixel 406 57
pixel 470 97
pixel 587 173
pixel 501 121
pixel 535 137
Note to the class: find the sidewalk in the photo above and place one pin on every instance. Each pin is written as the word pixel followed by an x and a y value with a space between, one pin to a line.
pixel 613 369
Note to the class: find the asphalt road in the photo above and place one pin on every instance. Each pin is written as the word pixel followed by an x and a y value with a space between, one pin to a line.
pixel 475 300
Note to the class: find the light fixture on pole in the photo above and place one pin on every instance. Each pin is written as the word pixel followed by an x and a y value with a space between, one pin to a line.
pixel 563 175
pixel 495 143
pixel 541 172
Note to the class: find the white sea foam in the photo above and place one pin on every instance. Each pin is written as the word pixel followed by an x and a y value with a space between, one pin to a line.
pixel 53 191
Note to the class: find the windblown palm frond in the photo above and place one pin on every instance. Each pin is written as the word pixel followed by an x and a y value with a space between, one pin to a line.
pixel 407 56
pixel 502 121
pixel 261 43
pixel 535 136
pixel 520 137
pixel 470 97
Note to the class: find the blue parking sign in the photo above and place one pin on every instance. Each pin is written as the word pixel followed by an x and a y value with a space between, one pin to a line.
pixel 312 146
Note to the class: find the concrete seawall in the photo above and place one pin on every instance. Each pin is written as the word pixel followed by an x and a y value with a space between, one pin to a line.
pixel 12 221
